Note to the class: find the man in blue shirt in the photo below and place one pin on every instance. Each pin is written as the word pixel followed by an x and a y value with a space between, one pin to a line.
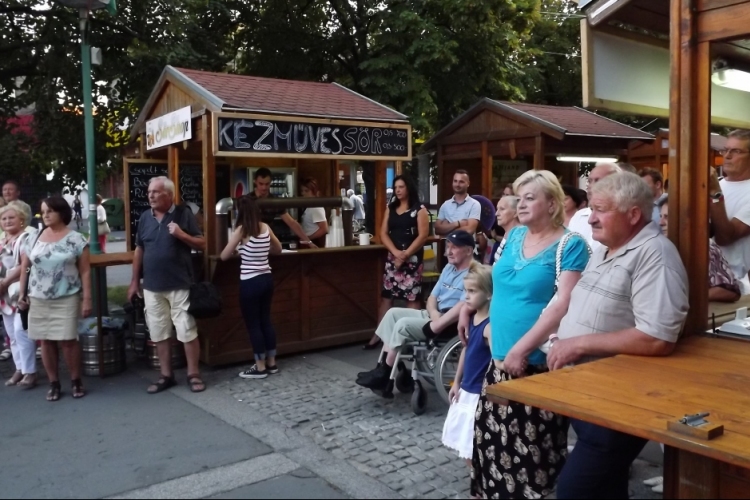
pixel 461 212
pixel 401 325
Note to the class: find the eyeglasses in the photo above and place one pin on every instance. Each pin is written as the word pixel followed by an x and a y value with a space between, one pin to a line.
pixel 733 152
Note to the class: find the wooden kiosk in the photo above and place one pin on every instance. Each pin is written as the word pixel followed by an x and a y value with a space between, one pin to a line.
pixel 497 141
pixel 323 297
pixel 646 396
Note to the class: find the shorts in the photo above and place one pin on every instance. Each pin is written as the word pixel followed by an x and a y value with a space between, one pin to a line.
pixel 458 430
pixel 163 309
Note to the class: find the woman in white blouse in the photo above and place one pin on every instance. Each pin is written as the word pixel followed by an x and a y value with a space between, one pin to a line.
pixel 314 222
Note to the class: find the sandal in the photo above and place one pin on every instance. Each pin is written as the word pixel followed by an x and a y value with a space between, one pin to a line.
pixel 54 392
pixel 161 385
pixel 77 387
pixel 196 384
pixel 14 380
pixel 28 381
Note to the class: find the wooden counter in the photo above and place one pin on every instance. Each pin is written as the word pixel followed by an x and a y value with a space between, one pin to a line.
pixel 639 395
pixel 322 298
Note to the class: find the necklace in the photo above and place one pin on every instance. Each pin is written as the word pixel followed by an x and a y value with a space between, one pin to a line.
pixel 538 242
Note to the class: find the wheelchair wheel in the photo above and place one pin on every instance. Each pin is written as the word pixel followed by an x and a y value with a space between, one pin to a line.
pixel 418 399
pixel 446 366
pixel 426 365
pixel 404 381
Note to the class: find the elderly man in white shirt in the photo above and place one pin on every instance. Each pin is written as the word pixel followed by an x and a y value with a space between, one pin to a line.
pixel 579 223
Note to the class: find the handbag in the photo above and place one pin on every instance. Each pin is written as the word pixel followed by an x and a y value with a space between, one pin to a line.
pixel 205 300
pixel 25 313
pixel 103 228
pixel 558 270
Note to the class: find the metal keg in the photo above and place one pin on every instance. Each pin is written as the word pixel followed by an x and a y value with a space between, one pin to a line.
pixel 113 342
pixel 178 354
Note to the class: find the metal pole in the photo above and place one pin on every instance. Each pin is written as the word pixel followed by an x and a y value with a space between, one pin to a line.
pixel 88 118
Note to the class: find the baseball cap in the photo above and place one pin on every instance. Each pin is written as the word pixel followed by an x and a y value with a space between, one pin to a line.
pixel 461 238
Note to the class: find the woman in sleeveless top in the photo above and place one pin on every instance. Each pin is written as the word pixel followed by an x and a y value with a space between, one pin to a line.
pixel 254 240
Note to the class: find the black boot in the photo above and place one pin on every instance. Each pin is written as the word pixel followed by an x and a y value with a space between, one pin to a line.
pixel 362 374
pixel 377 379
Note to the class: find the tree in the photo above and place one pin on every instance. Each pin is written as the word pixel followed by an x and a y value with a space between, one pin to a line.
pixel 429 59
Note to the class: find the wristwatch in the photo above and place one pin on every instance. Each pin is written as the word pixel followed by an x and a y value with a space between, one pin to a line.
pixel 717 197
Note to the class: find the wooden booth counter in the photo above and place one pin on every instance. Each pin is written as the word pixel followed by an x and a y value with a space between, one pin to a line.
pixel 322 297
pixel 639 395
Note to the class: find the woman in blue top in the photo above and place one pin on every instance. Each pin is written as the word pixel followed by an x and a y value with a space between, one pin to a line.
pixel 519 450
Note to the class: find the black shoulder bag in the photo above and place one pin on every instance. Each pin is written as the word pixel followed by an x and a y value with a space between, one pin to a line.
pixel 205 300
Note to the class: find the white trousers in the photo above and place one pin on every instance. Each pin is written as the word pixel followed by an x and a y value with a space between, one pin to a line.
pixel 22 347
pixel 401 325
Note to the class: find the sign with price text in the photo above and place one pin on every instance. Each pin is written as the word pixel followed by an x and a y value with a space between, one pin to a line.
pixel 242 135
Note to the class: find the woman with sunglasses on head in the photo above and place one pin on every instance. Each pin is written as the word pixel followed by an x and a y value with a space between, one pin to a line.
pixel 404 232
pixel 59 292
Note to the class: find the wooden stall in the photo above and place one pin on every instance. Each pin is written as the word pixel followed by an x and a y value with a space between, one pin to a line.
pixel 497 141
pixel 706 374
pixel 655 154
pixel 296 129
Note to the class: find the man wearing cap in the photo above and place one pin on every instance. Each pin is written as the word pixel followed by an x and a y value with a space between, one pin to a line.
pixel 401 325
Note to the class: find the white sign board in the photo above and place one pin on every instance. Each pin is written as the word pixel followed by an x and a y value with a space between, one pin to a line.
pixel 169 129
pixel 631 74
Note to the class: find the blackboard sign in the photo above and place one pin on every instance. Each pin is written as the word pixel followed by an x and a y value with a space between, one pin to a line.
pixel 139 175
pixel 191 184
pixel 266 136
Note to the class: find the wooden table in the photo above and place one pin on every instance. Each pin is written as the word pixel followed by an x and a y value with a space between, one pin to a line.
pixel 639 395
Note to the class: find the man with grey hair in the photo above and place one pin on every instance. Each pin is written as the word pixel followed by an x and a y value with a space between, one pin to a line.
pixel 579 223
pixel 358 206
pixel 632 298
pixel 730 205
pixel 164 241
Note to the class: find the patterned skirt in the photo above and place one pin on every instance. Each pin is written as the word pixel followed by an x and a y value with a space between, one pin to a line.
pixel 405 282
pixel 518 450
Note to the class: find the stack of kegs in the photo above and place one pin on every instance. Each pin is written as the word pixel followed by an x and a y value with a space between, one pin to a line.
pixel 142 343
pixel 113 348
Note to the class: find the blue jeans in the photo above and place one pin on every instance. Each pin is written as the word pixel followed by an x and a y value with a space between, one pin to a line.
pixel 256 295
pixel 599 466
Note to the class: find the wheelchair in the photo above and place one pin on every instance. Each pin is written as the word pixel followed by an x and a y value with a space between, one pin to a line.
pixel 434 363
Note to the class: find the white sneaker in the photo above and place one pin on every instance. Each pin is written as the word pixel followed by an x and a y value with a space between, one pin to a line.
pixel 38 353
pixel 654 481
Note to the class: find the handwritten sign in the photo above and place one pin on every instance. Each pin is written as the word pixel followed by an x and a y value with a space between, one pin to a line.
pixel 191 184
pixel 325 139
pixel 139 175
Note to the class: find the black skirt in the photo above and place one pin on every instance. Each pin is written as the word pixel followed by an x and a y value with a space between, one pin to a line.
pixel 519 450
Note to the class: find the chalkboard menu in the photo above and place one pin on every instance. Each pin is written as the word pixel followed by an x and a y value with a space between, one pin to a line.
pixel 191 184
pixel 326 139
pixel 139 175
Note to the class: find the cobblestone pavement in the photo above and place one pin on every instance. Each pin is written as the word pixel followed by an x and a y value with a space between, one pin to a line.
pixel 381 438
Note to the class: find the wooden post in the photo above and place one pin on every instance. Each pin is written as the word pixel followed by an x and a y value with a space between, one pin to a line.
pixel 539 153
pixel 689 136
pixel 486 172
pixel 173 164
pixel 209 195
pixel 440 173
pixel 380 196
pixel 399 168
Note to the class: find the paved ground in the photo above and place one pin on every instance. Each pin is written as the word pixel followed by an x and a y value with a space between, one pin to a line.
pixel 308 432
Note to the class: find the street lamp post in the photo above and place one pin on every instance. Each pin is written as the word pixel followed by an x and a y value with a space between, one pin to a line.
pixel 88 124
pixel 84 8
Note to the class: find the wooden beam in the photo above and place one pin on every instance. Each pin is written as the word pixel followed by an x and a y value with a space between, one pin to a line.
pixel 440 172
pixel 690 108
pixel 730 22
pixel 486 172
pixel 173 162
pixel 539 153
pixel 399 168
pixel 209 192
pixel 704 5
pixel 469 155
pixel 496 135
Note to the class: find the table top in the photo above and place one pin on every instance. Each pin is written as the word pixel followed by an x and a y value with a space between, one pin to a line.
pixel 111 259
pixel 639 395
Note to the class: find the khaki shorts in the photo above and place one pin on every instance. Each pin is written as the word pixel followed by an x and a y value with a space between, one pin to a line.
pixel 166 308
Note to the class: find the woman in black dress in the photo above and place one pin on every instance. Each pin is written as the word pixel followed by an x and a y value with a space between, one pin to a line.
pixel 404 232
